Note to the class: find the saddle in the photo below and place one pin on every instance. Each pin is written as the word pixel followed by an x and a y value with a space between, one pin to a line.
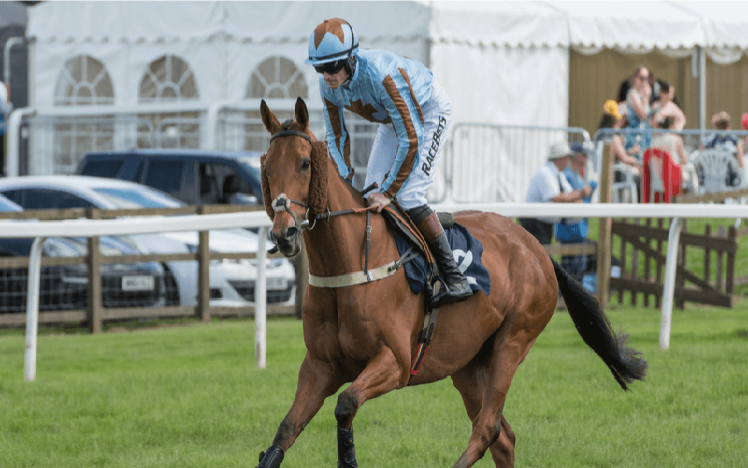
pixel 402 225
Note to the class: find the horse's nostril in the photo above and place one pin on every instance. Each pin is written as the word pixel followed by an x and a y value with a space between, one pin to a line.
pixel 290 232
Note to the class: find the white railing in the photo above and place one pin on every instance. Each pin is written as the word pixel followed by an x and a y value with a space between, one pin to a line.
pixel 145 225
pixel 621 210
pixel 149 225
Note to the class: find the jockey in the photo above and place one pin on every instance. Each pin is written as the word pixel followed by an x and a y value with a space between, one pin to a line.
pixel 415 116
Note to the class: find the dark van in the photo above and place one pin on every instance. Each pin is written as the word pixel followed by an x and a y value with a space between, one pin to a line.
pixel 196 177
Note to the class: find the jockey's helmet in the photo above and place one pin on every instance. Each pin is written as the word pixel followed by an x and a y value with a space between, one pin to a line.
pixel 331 40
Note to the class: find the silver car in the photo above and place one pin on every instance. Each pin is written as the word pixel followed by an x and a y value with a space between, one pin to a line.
pixel 231 281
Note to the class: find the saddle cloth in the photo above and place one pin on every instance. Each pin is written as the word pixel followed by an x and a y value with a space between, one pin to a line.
pixel 467 251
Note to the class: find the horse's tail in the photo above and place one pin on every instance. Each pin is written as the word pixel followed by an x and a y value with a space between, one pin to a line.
pixel 625 363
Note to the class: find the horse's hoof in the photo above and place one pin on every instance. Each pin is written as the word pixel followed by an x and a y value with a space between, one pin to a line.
pixel 272 458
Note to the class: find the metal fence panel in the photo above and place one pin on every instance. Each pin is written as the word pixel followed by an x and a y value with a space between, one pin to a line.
pixel 494 163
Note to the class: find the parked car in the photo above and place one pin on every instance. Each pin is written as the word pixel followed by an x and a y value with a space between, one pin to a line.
pixel 231 281
pixel 64 287
pixel 195 177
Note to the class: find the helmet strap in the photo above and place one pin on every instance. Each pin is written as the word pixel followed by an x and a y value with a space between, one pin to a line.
pixel 350 68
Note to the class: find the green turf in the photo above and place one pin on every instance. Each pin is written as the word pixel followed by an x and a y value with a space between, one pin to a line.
pixel 190 396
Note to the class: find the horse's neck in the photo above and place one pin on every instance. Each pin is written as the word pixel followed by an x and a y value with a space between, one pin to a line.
pixel 338 246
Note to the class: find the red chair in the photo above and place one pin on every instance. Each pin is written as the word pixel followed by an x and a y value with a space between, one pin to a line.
pixel 659 185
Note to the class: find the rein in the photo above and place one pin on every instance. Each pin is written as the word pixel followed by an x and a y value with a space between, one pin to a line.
pixel 282 204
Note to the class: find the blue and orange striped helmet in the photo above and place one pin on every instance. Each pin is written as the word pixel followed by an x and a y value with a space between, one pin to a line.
pixel 331 40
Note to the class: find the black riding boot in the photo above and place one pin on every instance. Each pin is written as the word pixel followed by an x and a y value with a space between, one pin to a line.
pixel 456 286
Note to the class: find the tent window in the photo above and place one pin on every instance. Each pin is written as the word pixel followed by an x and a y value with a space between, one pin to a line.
pixel 84 80
pixel 277 78
pixel 274 78
pixel 169 79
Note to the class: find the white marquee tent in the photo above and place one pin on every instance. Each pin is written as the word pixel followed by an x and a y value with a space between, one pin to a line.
pixel 500 62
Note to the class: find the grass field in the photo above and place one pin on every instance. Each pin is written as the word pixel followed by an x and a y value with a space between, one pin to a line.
pixel 190 396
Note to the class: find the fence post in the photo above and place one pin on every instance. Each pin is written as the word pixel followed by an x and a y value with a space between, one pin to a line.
pixel 671 264
pixel 94 292
pixel 604 244
pixel 203 276
pixel 32 309
pixel 732 233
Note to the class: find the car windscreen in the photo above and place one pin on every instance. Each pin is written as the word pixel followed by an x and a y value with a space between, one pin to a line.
pixel 129 198
pixel 252 165
pixel 108 169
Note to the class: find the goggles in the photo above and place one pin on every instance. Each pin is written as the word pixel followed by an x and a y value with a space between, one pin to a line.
pixel 330 68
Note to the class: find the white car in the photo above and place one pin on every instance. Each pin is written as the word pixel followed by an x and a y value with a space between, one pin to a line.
pixel 231 281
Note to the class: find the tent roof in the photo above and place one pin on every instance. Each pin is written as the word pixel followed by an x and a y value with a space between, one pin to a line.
pixel 257 22
pixel 513 24
pixel 725 23
pixel 641 25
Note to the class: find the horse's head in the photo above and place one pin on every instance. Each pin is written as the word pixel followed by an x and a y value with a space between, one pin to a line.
pixel 294 177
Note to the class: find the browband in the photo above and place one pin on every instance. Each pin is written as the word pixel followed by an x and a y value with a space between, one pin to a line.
pixel 283 133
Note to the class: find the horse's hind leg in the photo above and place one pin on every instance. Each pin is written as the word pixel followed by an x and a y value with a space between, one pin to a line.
pixel 470 382
pixel 509 348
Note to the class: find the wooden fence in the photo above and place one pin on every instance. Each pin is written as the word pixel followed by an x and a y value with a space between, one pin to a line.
pixel 714 285
pixel 96 314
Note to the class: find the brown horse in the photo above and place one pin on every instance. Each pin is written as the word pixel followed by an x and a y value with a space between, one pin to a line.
pixel 367 333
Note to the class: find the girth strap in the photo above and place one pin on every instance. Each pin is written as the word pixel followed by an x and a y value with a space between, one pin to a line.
pixel 361 277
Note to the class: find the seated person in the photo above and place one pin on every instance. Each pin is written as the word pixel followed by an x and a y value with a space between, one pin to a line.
pixel 616 116
pixel 727 142
pixel 665 107
pixel 549 186
pixel 576 230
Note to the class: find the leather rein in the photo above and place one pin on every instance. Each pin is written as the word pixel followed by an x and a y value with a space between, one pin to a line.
pixel 282 204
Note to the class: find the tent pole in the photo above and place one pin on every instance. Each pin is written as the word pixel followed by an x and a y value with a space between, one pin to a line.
pixel 701 88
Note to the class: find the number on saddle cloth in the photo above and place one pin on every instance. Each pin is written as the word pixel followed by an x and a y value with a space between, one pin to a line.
pixel 465 247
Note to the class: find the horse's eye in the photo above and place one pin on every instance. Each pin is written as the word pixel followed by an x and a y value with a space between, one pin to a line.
pixel 305 165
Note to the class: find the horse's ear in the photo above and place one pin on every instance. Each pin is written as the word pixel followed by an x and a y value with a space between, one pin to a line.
pixel 268 118
pixel 266 188
pixel 318 184
pixel 302 114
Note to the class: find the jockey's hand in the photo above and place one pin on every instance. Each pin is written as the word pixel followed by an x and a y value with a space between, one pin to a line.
pixel 379 199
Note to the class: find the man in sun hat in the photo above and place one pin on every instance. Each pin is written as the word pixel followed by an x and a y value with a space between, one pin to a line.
pixel 549 185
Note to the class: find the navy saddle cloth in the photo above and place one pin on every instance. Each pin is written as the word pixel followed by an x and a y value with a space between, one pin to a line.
pixel 467 251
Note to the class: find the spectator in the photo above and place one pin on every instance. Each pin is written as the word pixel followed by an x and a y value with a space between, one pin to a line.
pixel 576 230
pixel 666 107
pixel 682 174
pixel 670 142
pixel 744 125
pixel 637 103
pixel 727 142
pixel 549 185
pixel 616 116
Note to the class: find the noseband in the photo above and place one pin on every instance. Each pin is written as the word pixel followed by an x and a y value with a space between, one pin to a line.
pixel 281 202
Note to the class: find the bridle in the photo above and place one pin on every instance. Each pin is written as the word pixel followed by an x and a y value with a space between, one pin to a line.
pixel 282 202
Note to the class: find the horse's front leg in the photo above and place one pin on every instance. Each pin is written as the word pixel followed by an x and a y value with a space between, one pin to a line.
pixel 317 381
pixel 383 374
